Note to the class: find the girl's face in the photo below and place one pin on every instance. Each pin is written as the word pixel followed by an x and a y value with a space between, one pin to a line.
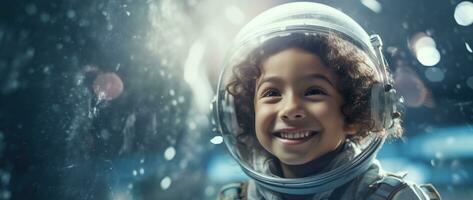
pixel 298 107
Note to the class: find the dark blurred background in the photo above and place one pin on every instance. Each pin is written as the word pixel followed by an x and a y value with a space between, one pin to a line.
pixel 110 99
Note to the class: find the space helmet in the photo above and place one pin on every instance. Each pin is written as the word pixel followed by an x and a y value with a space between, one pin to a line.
pixel 279 22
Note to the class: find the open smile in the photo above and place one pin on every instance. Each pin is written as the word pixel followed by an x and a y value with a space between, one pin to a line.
pixel 294 137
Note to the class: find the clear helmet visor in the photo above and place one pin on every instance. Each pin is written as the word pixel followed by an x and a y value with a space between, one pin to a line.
pixel 234 109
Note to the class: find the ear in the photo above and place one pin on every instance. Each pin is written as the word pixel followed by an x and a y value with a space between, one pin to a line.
pixel 350 129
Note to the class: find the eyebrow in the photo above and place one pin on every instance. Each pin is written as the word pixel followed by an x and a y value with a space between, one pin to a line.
pixel 307 77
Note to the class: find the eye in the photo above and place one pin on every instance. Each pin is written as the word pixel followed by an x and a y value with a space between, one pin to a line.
pixel 314 91
pixel 271 93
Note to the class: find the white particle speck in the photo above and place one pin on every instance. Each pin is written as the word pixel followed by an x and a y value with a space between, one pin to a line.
pixel 455 163
pixel 30 52
pixel 183 164
pixel 469 82
pixel 234 15
pixel 181 99
pixel 192 125
pixel 6 194
pixel 120 195
pixel 164 62
pixel 128 13
pixel 174 102
pixel 142 160
pixel 464 13
pixel 209 190
pixel 217 140
pixel 402 100
pixel 172 92
pixel 135 173
pixel 165 183
pixel 142 171
pixel 468 48
pixel 169 153
pixel 456 178
pixel 432 162
pixel 84 22
pixel 71 14
pixel 405 25
pixel 5 178
pixel 31 9
pixel 44 17
pixel 373 5
pixel 59 46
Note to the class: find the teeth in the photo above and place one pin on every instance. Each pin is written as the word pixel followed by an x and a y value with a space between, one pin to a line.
pixel 295 135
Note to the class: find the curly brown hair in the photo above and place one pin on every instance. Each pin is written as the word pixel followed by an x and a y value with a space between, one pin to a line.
pixel 348 62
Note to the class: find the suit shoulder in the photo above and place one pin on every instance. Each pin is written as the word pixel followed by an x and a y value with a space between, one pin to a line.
pixel 233 191
pixel 394 187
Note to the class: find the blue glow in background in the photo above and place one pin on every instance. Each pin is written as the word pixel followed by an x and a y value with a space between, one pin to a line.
pixel 110 99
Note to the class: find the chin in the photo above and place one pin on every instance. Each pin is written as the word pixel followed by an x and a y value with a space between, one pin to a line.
pixel 293 160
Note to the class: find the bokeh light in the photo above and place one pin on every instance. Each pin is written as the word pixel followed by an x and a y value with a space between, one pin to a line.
pixel 169 153
pixel 428 56
pixel 425 49
pixel 434 74
pixel 166 183
pixel 464 13
pixel 409 86
pixel 217 140
pixel 108 86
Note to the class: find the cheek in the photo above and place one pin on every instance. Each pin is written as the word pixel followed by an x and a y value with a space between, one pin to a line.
pixel 264 116
pixel 325 108
pixel 328 112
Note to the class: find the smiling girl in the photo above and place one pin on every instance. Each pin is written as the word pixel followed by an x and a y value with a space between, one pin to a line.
pixel 303 125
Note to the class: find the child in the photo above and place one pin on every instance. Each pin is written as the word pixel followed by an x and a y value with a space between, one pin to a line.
pixel 308 116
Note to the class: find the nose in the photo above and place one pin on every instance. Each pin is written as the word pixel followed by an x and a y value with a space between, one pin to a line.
pixel 293 110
